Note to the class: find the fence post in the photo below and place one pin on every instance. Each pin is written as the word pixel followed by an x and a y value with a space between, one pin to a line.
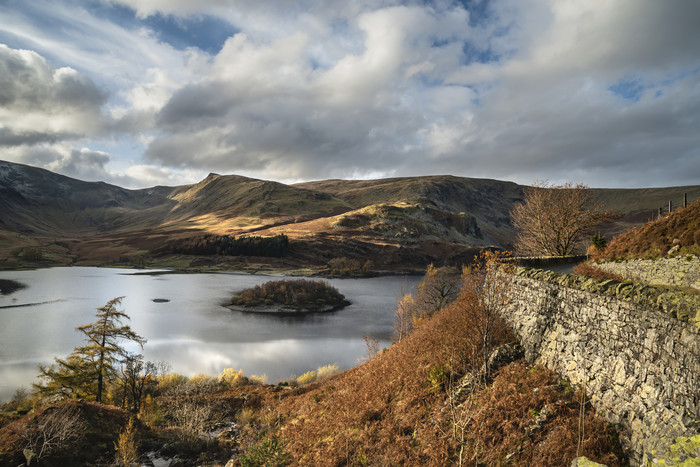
pixel 685 200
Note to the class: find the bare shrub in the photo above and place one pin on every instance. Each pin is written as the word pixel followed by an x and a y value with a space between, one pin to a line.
pixel 306 378
pixel 193 417
pixel 50 431
pixel 326 371
pixel 372 344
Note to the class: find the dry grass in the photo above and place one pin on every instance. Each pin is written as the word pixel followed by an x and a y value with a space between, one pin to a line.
pixel 656 238
pixel 394 410
pixel 590 270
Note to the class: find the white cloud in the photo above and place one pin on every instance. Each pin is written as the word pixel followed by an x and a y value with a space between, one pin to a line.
pixel 308 89
pixel 41 103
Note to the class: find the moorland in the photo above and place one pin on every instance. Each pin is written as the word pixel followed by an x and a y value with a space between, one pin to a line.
pixel 401 223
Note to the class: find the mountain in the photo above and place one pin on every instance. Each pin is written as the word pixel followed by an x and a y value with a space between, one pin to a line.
pixel 407 221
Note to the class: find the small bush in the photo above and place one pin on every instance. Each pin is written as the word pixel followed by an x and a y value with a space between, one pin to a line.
pixel 258 380
pixel 327 371
pixel 229 377
pixel 306 378
pixel 269 453
pixel 599 242
pixel 126 448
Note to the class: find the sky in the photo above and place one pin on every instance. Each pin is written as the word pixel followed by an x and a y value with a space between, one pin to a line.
pixel 162 92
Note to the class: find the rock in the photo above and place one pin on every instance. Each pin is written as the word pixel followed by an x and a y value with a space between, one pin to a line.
pixel 585 462
pixel 31 458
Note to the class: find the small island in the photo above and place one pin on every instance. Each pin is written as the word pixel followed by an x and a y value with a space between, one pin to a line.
pixel 8 286
pixel 289 297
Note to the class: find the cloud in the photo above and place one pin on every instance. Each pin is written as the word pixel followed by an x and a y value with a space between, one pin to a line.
pixel 93 165
pixel 39 103
pixel 267 110
pixel 604 93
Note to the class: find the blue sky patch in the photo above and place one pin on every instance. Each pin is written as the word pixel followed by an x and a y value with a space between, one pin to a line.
pixel 205 32
pixel 628 89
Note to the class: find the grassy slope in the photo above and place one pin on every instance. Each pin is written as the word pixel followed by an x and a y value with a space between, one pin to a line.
pixel 641 205
pixel 389 411
pixel 656 238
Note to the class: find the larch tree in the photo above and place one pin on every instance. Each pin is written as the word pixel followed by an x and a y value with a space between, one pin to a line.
pixel 86 371
pixel 552 219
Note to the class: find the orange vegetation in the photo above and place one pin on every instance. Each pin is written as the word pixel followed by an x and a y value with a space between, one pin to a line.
pixel 401 408
pixel 656 238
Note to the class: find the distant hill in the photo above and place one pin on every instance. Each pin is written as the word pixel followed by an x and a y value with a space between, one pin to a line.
pixel 397 222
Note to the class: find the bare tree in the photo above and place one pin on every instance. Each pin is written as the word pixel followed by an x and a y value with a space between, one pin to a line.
pixel 136 377
pixel 484 296
pixel 439 288
pixel 552 219
pixel 403 316
pixel 372 344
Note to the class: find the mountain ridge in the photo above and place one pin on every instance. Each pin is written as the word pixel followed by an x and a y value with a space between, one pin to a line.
pixel 401 220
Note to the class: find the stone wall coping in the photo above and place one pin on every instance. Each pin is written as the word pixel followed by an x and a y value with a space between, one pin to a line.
pixel 683 306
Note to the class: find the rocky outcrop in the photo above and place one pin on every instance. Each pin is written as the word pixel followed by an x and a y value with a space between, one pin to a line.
pixel 635 350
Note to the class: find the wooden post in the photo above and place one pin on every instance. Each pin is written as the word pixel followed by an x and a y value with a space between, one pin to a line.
pixel 670 206
pixel 685 200
pixel 659 216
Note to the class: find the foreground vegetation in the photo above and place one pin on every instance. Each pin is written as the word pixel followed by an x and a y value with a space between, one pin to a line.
pixel 297 294
pixel 452 390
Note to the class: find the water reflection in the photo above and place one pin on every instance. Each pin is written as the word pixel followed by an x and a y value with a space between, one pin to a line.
pixel 192 331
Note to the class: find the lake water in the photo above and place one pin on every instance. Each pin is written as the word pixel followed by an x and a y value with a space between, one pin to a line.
pixel 192 331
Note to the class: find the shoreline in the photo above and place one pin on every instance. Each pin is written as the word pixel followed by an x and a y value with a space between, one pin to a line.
pixel 285 310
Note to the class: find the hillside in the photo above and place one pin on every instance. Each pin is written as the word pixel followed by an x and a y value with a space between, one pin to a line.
pixel 680 230
pixel 402 223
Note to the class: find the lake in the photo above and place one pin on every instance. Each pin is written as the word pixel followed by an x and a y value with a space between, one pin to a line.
pixel 191 331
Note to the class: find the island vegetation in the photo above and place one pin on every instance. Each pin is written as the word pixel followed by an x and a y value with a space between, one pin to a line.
pixel 8 286
pixel 298 295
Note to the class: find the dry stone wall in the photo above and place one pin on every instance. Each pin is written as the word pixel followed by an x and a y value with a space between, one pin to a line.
pixel 678 271
pixel 637 355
